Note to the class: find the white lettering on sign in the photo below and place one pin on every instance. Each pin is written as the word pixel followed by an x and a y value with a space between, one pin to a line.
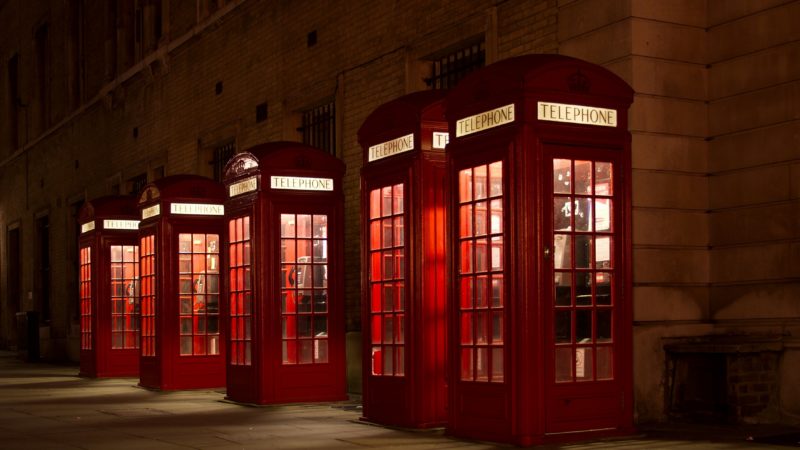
pixel 485 120
pixel 151 211
pixel 302 183
pixel 197 209
pixel 121 224
pixel 243 187
pixel 440 140
pixel 390 148
pixel 87 227
pixel 584 115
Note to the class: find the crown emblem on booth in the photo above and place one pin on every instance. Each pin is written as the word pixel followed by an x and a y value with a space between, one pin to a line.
pixel 244 163
pixel 578 82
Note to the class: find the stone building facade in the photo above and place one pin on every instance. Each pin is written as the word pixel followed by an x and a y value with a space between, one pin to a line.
pixel 99 97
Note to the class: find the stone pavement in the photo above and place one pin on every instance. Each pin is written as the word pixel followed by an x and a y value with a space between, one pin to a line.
pixel 45 406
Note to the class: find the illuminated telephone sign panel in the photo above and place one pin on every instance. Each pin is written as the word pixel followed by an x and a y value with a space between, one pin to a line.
pixel 404 238
pixel 108 287
pixel 284 218
pixel 540 303
pixel 181 283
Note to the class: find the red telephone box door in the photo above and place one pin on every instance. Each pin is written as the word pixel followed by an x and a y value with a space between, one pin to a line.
pixel 583 261
pixel 306 303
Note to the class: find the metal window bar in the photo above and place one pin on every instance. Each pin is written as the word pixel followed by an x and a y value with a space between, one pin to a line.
pixel 137 184
pixel 222 155
pixel 319 127
pixel 453 67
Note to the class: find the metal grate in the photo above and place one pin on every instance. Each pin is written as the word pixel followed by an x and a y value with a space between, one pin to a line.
pixel 449 69
pixel 319 127
pixel 137 183
pixel 222 154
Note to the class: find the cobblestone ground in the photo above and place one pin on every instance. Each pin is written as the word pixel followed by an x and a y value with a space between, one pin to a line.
pixel 45 406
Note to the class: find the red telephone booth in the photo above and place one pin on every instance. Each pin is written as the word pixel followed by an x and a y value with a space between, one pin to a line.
pixel 182 343
pixel 109 287
pixel 403 234
pixel 540 207
pixel 285 275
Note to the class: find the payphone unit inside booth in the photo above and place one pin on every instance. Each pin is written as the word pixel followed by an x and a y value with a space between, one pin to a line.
pixel 540 207
pixel 403 239
pixel 108 284
pixel 182 328
pixel 284 213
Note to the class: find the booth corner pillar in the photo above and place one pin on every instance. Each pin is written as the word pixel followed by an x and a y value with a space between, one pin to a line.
pixel 540 251
pixel 182 326
pixel 285 275
pixel 108 283
pixel 404 240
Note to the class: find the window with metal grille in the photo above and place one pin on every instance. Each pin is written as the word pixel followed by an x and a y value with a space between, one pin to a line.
pixel 222 154
pixel 136 184
pixel 450 68
pixel 319 127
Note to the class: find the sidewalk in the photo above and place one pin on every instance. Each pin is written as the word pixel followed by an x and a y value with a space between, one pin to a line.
pixel 45 406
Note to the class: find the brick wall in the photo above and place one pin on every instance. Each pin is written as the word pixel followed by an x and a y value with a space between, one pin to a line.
pixel 752 384
pixel 366 53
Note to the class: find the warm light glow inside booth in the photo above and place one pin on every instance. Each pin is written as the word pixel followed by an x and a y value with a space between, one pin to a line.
pixel 540 213
pixel 108 284
pixel 183 334
pixel 284 215
pixel 403 236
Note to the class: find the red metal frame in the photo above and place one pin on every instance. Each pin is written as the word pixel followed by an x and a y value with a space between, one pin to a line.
pixel 403 239
pixel 527 406
pixel 181 267
pixel 108 302
pixel 286 276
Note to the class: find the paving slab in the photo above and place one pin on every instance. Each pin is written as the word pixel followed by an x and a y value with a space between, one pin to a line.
pixel 47 406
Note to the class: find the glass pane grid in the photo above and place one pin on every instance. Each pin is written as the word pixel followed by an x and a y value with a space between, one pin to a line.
pixel 198 293
pixel 481 273
pixel 241 302
pixel 304 288
pixel 124 296
pixel 387 284
pixel 583 260
pixel 85 288
pixel 148 295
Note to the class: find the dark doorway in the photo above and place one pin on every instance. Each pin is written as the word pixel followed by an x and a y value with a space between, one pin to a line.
pixel 697 387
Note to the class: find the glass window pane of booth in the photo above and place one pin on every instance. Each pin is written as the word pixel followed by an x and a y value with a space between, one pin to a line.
pixel 240 291
pixel 85 290
pixel 481 228
pixel 148 295
pixel 387 285
pixel 584 269
pixel 124 296
pixel 304 288
pixel 198 293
